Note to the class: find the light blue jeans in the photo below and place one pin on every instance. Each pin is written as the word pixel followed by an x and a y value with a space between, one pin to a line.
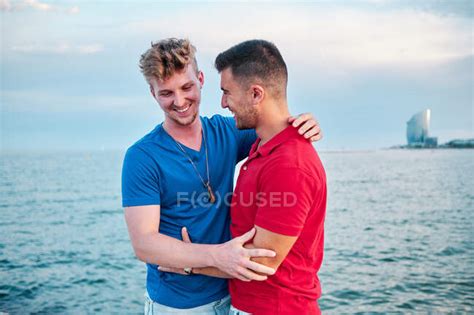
pixel 219 307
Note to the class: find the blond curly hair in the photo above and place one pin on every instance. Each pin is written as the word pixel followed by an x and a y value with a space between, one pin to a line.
pixel 167 56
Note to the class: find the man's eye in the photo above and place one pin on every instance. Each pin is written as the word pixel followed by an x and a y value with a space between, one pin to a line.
pixel 186 88
pixel 165 94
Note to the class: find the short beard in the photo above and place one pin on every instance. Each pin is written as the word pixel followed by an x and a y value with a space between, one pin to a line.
pixel 184 123
pixel 248 120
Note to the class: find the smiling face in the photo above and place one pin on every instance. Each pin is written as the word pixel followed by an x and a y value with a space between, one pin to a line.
pixel 238 100
pixel 179 96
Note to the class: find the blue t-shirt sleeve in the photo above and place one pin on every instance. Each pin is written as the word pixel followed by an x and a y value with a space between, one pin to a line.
pixel 140 179
pixel 245 138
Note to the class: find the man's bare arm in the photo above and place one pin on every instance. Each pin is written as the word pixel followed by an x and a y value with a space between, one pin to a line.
pixel 206 271
pixel 214 272
pixel 156 248
pixel 279 243
pixel 247 275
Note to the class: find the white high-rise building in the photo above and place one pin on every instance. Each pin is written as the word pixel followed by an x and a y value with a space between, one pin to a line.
pixel 418 130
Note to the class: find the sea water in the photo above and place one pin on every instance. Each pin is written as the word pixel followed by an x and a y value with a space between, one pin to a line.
pixel 399 233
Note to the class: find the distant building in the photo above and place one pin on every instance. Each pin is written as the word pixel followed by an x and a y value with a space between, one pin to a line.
pixel 460 144
pixel 418 131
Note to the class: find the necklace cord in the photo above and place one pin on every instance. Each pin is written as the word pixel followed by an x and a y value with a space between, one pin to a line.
pixel 207 185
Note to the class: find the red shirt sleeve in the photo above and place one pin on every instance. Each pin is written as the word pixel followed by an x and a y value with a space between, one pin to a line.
pixel 284 199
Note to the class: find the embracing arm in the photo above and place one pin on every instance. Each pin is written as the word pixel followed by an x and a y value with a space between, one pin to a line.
pixel 261 268
pixel 279 243
pixel 212 272
pixel 153 247
pixel 159 249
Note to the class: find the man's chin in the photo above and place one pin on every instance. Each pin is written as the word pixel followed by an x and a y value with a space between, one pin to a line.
pixel 244 123
pixel 185 121
pixel 243 126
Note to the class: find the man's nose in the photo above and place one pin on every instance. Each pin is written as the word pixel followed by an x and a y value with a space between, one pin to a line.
pixel 179 100
pixel 224 102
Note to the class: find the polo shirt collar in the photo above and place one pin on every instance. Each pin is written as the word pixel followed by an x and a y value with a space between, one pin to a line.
pixel 288 133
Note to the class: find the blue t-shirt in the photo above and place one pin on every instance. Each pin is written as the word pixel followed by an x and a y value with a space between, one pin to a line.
pixel 156 172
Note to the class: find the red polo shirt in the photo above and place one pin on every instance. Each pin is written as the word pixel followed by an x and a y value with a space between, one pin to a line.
pixel 282 188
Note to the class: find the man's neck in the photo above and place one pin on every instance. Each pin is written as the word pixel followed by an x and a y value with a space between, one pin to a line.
pixel 272 120
pixel 189 135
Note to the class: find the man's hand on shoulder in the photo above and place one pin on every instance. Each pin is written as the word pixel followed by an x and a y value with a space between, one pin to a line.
pixel 308 126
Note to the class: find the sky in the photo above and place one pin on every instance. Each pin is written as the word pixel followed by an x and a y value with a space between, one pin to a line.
pixel 70 77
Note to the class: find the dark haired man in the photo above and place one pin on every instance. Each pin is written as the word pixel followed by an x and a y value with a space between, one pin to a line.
pixel 281 189
pixel 253 80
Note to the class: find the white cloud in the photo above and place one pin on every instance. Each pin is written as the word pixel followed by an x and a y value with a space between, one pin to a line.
pixel 6 5
pixel 377 1
pixel 90 49
pixel 60 48
pixel 74 10
pixel 35 48
pixel 332 37
pixel 40 6
pixel 39 100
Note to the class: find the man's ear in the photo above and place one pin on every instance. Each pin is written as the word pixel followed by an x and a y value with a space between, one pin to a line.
pixel 258 94
pixel 201 78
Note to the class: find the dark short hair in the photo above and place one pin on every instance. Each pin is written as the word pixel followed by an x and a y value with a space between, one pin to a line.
pixel 256 61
